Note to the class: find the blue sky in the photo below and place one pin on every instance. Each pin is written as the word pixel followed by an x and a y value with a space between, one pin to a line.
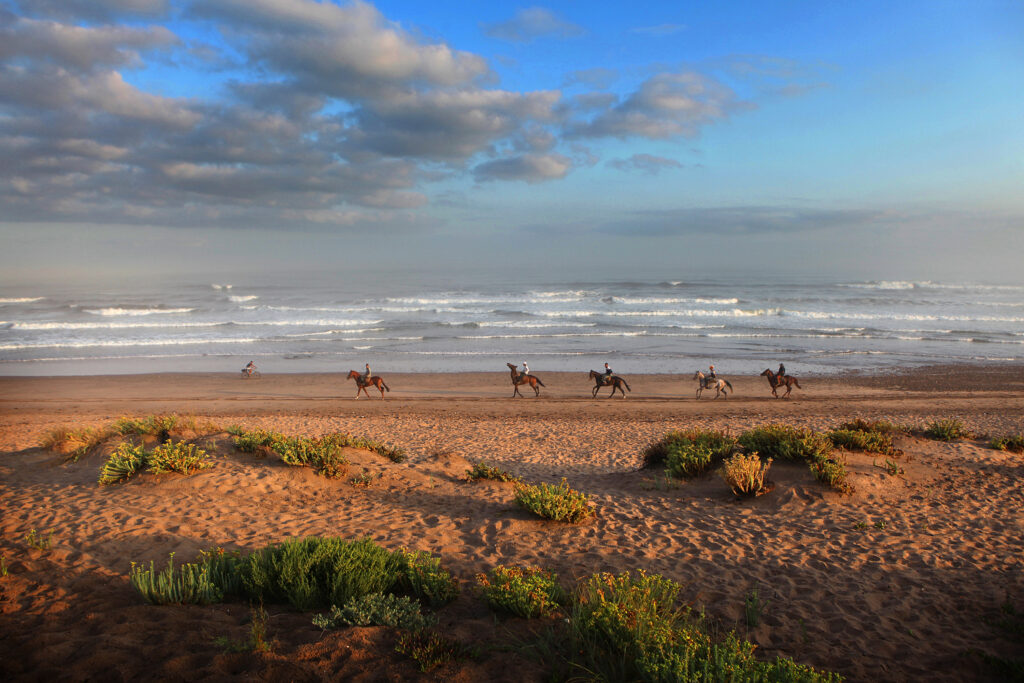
pixel 875 139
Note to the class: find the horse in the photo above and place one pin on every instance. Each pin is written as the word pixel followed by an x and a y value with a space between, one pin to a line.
pixel 362 383
pixel 719 385
pixel 518 379
pixel 603 380
pixel 777 381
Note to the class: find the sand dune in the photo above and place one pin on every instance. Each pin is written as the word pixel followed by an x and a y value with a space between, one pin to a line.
pixel 898 581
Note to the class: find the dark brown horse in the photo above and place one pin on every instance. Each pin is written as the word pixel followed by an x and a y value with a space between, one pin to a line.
pixel 602 380
pixel 777 381
pixel 362 383
pixel 518 380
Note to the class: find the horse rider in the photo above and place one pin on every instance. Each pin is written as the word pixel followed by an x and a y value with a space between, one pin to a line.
pixel 249 368
pixel 782 370
pixel 366 375
pixel 608 373
pixel 711 372
pixel 526 369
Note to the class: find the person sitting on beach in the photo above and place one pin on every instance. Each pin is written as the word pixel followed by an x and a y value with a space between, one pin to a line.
pixel 526 369
pixel 782 370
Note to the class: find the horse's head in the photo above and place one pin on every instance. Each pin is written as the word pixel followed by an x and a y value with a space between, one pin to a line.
pixel 698 375
pixel 510 366
pixel 352 374
pixel 592 374
pixel 767 372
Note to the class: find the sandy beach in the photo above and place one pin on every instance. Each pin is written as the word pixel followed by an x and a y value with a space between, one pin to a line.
pixel 903 580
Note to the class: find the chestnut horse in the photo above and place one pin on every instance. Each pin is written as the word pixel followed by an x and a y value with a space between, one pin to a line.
pixel 602 380
pixel 361 384
pixel 777 381
pixel 718 385
pixel 518 380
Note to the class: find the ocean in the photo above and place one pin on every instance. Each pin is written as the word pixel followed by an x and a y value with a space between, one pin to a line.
pixel 409 324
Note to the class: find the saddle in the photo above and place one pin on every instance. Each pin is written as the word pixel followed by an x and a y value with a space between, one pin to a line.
pixel 606 380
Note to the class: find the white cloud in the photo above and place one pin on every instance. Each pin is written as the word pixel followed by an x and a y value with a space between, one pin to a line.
pixel 531 23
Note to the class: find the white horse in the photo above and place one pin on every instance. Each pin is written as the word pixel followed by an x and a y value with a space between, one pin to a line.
pixel 718 385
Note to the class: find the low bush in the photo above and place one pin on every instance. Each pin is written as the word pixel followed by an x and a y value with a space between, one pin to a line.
pixel 633 628
pixel 251 441
pixel 746 475
pixel 313 572
pixel 782 442
pixel 523 591
pixel 858 440
pixel 189 584
pixel 180 457
pixel 155 425
pixel 376 609
pixel 344 440
pixel 559 503
pixel 1014 444
pixel 686 460
pixel 720 444
pixel 482 470
pixel 421 575
pixel 949 429
pixel 831 471
pixel 859 424
pixel 429 649
pixel 124 462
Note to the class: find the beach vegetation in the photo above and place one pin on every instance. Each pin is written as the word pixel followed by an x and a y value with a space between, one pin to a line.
pixel 753 608
pixel 1014 444
pixel 38 541
pixel 947 429
pixel 859 424
pixel 860 440
pixel 625 627
pixel 126 460
pixel 892 467
pixel 430 649
pixel 74 443
pixel 556 502
pixel 421 575
pixel 832 472
pixel 159 426
pixel 482 470
pixel 682 442
pixel 523 591
pixel 363 479
pixel 257 640
pixel 747 474
pixel 187 584
pixel 251 441
pixel 376 609
pixel 782 442
pixel 345 440
pixel 181 457
pixel 4 569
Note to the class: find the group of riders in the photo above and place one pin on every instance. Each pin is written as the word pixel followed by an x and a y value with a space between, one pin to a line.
pixel 250 368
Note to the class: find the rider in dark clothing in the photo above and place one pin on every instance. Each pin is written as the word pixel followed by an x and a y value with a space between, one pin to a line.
pixel 782 370
pixel 607 373
pixel 711 372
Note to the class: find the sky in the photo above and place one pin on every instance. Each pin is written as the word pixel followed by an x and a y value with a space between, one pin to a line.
pixel 871 139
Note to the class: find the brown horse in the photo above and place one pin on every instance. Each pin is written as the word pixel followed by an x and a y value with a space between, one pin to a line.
pixel 718 385
pixel 518 380
pixel 602 380
pixel 777 381
pixel 362 383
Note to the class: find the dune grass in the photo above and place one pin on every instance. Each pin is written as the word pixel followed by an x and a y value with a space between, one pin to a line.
pixel 377 609
pixel 73 443
pixel 482 470
pixel 129 459
pixel 688 446
pixel 1014 444
pixel 746 474
pixel 559 503
pixel 187 584
pixel 948 429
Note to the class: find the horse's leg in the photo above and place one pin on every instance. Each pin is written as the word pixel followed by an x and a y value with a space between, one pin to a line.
pixel 536 389
pixel 593 394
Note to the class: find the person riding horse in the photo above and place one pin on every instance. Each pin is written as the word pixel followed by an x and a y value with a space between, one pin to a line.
pixel 782 371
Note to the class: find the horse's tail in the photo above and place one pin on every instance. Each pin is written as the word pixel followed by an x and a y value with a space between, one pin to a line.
pixel 797 383
pixel 625 385
pixel 538 380
pixel 728 385
pixel 386 388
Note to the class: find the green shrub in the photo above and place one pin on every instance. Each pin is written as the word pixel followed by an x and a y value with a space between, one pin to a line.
pixel 323 455
pixel 746 475
pixel 857 440
pixel 125 461
pixel 831 471
pixel 686 460
pixel 782 442
pixel 626 629
pixel 1014 444
pixel 344 440
pixel 859 424
pixel 317 572
pixel 250 442
pixel 420 574
pixel 225 570
pixel 949 429
pixel 429 649
pixel 376 609
pixel 156 425
pixel 719 443
pixel 524 591
pixel 190 584
pixel 559 503
pixel 482 470
pixel 180 457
